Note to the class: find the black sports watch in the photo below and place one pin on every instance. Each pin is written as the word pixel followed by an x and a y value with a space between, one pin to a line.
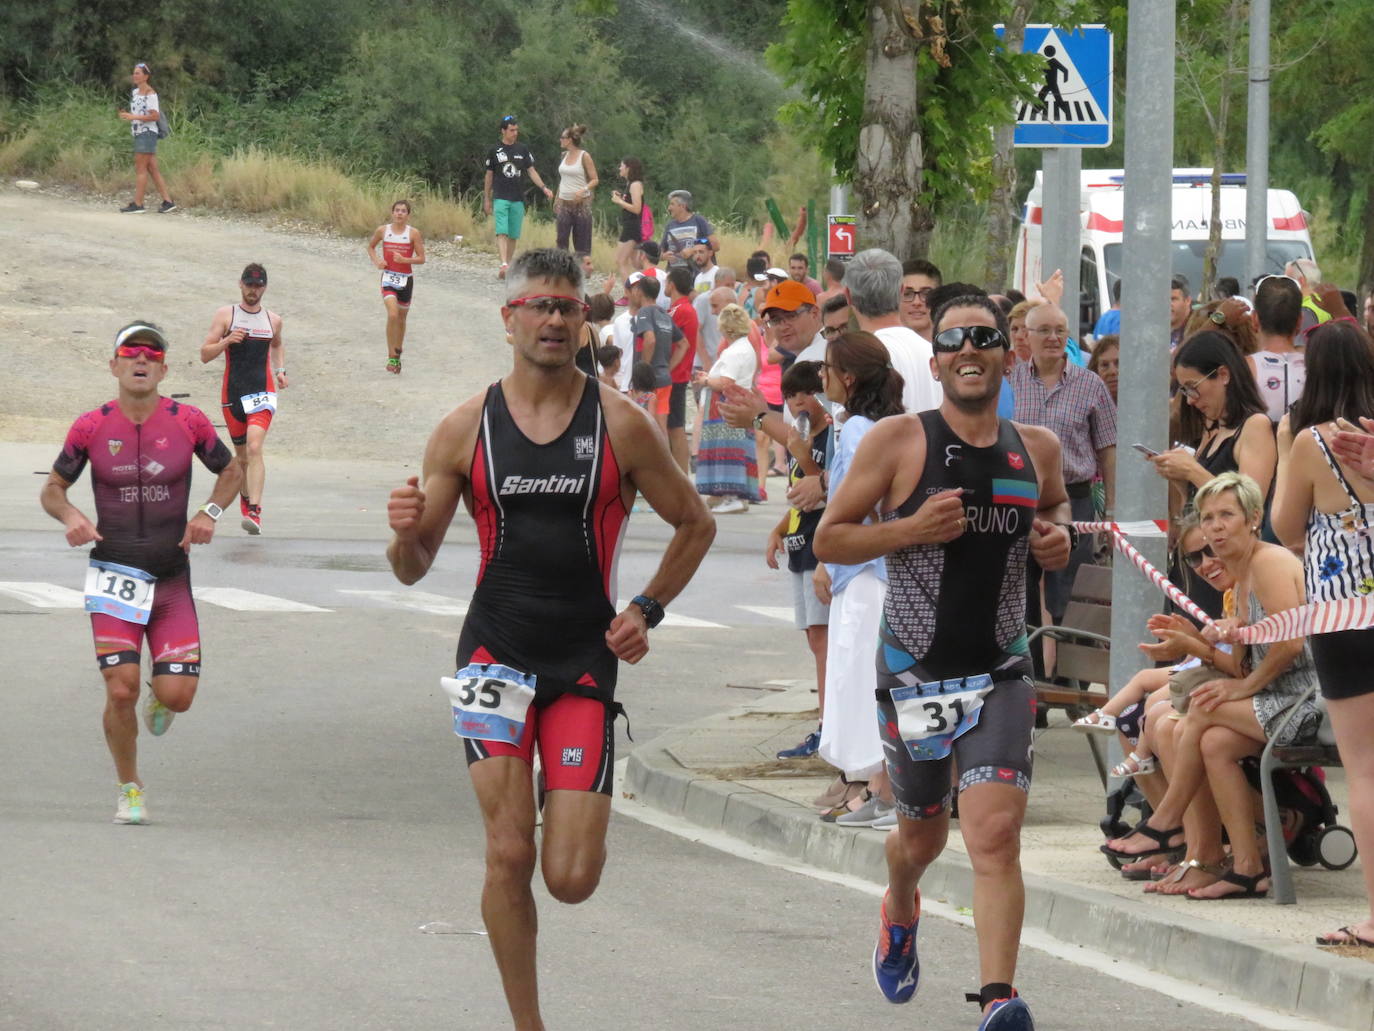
pixel 652 610
pixel 1073 534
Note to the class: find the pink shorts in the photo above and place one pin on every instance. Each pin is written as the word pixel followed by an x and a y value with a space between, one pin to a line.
pixel 173 632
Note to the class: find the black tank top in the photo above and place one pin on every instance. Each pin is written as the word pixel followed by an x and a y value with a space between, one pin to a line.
pixel 958 609
pixel 550 518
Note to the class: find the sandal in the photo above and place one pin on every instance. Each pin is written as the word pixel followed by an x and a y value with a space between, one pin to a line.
pixel 1161 838
pixel 1176 875
pixel 1249 887
pixel 1346 937
pixel 1096 722
pixel 1134 766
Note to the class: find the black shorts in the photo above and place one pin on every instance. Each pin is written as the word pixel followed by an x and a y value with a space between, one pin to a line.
pixel 403 294
pixel 1343 662
pixel 996 751
pixel 677 406
pixel 631 234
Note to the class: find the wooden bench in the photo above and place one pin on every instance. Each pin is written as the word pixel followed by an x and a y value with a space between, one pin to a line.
pixel 1082 646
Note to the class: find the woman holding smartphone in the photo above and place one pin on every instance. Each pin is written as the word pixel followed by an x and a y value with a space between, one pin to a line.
pixel 142 118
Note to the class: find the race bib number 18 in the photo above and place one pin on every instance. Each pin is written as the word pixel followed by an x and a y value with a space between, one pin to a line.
pixel 490 701
pixel 120 591
pixel 930 716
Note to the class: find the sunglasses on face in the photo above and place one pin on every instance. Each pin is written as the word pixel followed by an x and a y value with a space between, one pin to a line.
pixel 984 338
pixel 544 305
pixel 139 351
pixel 1190 391
pixel 1195 558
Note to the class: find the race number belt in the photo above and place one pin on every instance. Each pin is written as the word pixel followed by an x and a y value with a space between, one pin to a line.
pixel 120 591
pixel 396 280
pixel 261 401
pixel 931 715
pixel 490 701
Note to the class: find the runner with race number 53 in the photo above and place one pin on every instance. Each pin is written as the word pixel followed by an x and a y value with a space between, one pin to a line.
pixel 547 461
pixel 963 496
pixel 138 584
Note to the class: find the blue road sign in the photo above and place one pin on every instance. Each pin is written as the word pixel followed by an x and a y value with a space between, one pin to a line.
pixel 1073 106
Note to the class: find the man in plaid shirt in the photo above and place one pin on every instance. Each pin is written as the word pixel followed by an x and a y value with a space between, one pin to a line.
pixel 1051 391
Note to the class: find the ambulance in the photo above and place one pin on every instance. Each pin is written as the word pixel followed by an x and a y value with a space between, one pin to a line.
pixel 1102 215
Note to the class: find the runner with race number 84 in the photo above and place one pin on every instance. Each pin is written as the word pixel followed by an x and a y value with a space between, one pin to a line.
pixel 138 584
pixel 547 461
pixel 964 496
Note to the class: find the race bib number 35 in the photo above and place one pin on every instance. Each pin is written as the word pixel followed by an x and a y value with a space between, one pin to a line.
pixel 395 280
pixel 120 591
pixel 262 401
pixel 490 701
pixel 930 716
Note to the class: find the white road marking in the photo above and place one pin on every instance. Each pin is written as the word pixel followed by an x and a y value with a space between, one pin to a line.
pixel 678 620
pixel 419 601
pixel 782 612
pixel 44 596
pixel 250 601
pixel 1100 963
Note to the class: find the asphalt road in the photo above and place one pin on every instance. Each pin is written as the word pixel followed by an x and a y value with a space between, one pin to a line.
pixel 311 813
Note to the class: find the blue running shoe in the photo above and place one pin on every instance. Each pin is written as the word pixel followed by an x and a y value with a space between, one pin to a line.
pixel 896 969
pixel 809 746
pixel 1008 1015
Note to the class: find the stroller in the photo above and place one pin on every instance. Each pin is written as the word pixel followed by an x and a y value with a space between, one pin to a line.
pixel 1310 830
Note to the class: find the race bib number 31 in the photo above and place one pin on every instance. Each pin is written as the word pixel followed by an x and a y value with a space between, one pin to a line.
pixel 120 591
pixel 930 716
pixel 490 701
pixel 395 280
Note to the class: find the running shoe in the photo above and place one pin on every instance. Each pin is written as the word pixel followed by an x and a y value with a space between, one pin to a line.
pixel 252 521
pixel 393 365
pixel 166 206
pixel 243 505
pixel 867 814
pixel 131 808
pixel 887 821
pixel 809 746
pixel 156 716
pixel 896 969
pixel 131 209
pixel 1008 1015
pixel 731 506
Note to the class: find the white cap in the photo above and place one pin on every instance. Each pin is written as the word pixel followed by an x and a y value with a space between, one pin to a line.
pixel 775 272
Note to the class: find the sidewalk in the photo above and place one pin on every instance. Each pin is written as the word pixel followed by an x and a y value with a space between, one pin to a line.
pixel 720 773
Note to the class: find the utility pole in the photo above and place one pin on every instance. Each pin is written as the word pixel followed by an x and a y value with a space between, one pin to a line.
pixel 1143 413
pixel 1257 147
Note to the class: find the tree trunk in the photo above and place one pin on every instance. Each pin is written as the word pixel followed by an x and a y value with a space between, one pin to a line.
pixel 1001 210
pixel 887 172
pixel 1365 277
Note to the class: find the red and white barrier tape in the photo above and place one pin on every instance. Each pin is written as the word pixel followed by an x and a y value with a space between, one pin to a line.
pixel 1139 528
pixel 1323 617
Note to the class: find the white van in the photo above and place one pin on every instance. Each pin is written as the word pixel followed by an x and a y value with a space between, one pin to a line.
pixel 1101 212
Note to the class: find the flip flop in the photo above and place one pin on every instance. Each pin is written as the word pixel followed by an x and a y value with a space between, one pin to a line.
pixel 1348 938
pixel 1248 886
pixel 1161 838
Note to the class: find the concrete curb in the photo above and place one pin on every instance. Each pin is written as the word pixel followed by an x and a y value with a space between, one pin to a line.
pixel 1271 973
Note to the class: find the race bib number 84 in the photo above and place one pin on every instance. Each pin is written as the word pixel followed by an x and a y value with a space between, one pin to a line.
pixel 262 401
pixel 930 716
pixel 120 591
pixel 490 701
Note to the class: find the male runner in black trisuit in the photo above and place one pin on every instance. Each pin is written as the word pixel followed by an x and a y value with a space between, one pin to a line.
pixel 963 496
pixel 547 461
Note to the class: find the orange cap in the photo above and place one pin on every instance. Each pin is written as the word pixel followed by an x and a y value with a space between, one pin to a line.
pixel 789 295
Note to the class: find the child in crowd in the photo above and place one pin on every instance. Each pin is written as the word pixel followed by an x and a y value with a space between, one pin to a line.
pixel 642 386
pixel 809 446
pixel 608 357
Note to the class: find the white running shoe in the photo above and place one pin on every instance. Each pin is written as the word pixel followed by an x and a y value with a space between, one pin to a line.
pixel 887 821
pixel 156 716
pixel 867 814
pixel 731 506
pixel 131 807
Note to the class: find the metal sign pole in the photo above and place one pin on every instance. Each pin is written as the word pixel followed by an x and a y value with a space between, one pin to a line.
pixel 1257 146
pixel 1062 229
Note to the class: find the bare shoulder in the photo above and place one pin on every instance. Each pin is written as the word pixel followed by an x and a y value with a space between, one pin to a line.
pixel 626 422
pixel 1272 560
pixel 1040 440
pixel 1258 423
pixel 416 235
pixel 275 320
pixel 453 440
pixel 224 313
pixel 895 431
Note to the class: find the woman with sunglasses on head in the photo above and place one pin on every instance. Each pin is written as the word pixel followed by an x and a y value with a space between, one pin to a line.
pixel 577 181
pixel 1233 717
pixel 142 117
pixel 1323 507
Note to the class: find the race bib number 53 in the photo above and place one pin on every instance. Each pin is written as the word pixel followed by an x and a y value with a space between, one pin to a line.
pixel 120 591
pixel 490 701
pixel 930 716
pixel 395 280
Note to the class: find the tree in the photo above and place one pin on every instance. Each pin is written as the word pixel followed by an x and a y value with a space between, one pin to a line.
pixel 1001 205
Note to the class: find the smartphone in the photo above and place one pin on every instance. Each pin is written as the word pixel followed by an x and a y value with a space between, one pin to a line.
pixel 1147 452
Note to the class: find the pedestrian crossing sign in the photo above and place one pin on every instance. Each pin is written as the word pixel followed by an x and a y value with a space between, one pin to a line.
pixel 1073 102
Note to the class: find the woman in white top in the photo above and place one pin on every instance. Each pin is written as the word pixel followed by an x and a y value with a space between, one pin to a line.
pixel 576 181
pixel 142 118
pixel 727 467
